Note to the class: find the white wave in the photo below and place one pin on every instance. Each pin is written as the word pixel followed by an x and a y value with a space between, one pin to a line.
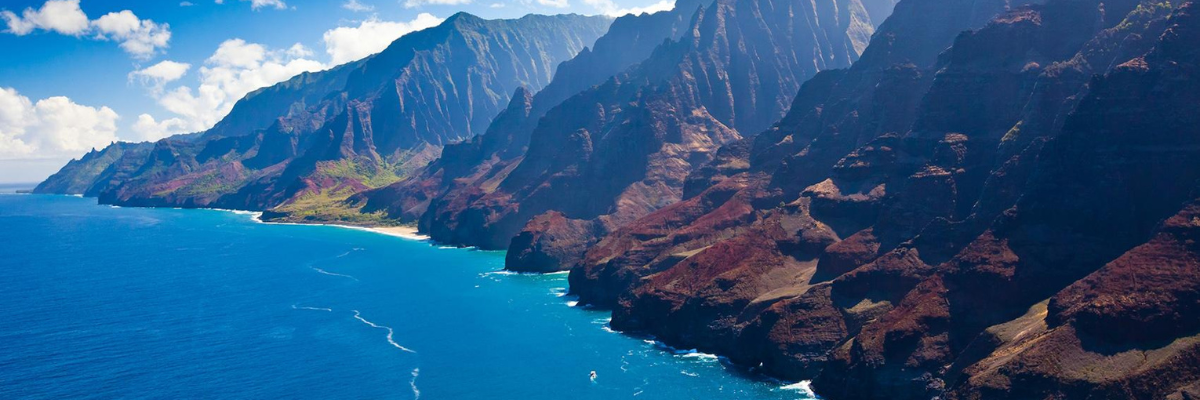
pixel 702 356
pixel 688 373
pixel 413 383
pixel 255 216
pixel 683 353
pixel 75 195
pixel 556 273
pixel 503 272
pixel 331 273
pixel 390 332
pixel 804 387
pixel 572 303
pixel 296 307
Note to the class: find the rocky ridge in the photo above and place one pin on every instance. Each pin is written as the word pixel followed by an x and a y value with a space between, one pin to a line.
pixel 299 147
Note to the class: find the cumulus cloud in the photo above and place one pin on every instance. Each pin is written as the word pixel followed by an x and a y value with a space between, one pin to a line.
pixel 554 3
pixel 607 7
pixel 354 5
pixel 186 4
pixel 351 43
pixel 148 129
pixel 258 4
pixel 62 16
pixel 158 75
pixel 235 69
pixel 54 127
pixel 418 3
pixel 138 37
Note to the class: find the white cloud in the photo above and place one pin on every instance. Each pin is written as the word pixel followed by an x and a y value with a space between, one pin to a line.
pixel 219 1
pixel 141 38
pixel 607 7
pixel 186 4
pixel 418 3
pixel 354 5
pixel 62 16
pixel 554 3
pixel 51 128
pixel 158 75
pixel 148 129
pixel 257 4
pixel 138 37
pixel 347 44
pixel 235 69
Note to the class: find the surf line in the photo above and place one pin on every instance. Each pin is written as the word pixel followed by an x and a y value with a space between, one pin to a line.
pixel 413 383
pixel 296 307
pixel 390 332
pixel 330 274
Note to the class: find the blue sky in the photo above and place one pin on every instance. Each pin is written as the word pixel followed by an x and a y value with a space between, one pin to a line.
pixel 79 74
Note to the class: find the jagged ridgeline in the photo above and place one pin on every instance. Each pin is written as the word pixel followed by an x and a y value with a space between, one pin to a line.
pixel 998 200
pixel 974 199
pixel 558 178
pixel 307 143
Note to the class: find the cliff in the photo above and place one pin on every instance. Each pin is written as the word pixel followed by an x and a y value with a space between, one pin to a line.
pixel 934 221
pixel 301 146
pixel 622 148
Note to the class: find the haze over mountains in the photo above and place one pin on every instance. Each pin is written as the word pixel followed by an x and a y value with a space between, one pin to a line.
pixel 956 199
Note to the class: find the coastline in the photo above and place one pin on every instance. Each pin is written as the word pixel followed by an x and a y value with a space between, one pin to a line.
pixel 803 387
pixel 406 232
pixel 400 231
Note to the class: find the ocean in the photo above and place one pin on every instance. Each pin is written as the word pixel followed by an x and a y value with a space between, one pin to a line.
pixel 107 302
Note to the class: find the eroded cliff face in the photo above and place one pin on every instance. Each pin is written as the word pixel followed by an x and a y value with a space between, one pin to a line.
pixel 468 169
pixel 300 147
pixel 882 234
pixel 622 149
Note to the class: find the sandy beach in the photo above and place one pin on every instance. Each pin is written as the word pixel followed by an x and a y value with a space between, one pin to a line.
pixel 407 232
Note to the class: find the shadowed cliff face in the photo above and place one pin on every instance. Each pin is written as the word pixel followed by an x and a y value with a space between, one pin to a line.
pixel 907 204
pixel 622 149
pixel 302 145
pixel 465 170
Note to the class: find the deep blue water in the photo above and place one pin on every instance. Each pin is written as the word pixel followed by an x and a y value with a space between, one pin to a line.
pixel 104 302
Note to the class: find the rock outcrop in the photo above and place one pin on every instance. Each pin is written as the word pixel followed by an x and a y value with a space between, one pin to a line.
pixel 879 238
pixel 623 148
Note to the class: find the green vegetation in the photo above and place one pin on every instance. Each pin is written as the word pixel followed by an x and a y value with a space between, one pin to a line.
pixel 330 206
pixel 1144 13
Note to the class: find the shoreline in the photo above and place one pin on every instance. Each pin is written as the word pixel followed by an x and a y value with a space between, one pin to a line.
pixel 404 232
pixel 400 231
pixel 411 233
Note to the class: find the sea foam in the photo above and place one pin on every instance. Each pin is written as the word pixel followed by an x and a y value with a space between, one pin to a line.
pixel 390 331
pixel 321 271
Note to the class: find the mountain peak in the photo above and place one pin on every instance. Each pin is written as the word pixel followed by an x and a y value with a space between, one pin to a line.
pixel 462 16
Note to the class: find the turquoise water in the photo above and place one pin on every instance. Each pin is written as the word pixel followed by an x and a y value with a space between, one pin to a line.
pixel 104 302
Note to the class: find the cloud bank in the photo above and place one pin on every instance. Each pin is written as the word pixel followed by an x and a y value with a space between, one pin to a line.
pixel 141 38
pixel 54 127
pixel 350 43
